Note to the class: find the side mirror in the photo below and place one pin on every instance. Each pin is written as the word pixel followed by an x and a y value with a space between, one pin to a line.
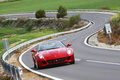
pixel 69 45
pixel 33 51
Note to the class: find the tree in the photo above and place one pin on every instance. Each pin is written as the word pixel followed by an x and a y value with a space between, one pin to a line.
pixel 40 13
pixel 62 11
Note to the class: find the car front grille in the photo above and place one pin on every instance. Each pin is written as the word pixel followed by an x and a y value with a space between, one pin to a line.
pixel 56 60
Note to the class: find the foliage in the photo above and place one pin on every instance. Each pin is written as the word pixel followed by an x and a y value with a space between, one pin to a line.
pixel 40 13
pixel 62 11
pixel 12 0
pixel 106 8
pixel 74 19
pixel 23 18
pixel 6 78
pixel 29 27
pixel 2 18
pixel 116 21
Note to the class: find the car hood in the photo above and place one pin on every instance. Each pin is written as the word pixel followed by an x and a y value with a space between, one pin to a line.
pixel 54 53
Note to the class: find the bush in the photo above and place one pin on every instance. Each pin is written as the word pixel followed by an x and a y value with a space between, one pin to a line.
pixel 12 0
pixel 40 13
pixel 115 25
pixel 106 8
pixel 29 27
pixel 74 19
pixel 62 11
pixel 2 18
pixel 23 18
pixel 116 21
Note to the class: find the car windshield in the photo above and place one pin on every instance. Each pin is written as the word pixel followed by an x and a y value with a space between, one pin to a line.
pixel 50 45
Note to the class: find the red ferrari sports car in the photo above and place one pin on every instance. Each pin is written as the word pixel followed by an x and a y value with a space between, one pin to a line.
pixel 54 52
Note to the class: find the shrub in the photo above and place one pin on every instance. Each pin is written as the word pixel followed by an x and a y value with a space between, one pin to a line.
pixel 74 19
pixel 23 18
pixel 40 13
pixel 106 8
pixel 28 26
pixel 116 21
pixel 2 18
pixel 62 11
pixel 115 25
pixel 12 0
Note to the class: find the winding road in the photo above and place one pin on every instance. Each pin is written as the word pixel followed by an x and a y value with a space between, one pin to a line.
pixel 91 63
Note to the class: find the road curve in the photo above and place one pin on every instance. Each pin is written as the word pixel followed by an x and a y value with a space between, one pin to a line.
pixel 91 63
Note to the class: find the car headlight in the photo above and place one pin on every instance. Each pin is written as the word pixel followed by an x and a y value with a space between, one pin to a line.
pixel 41 57
pixel 69 52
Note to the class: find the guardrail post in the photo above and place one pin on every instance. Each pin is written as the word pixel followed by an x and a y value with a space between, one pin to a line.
pixel 6 67
pixel 19 73
pixel 30 44
pixel 18 50
pixel 9 70
pixel 8 56
pixel 27 45
pixel 12 53
pixel 14 72
pixel 24 47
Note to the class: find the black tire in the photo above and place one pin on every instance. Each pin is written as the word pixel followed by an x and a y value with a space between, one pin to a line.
pixel 73 62
pixel 36 64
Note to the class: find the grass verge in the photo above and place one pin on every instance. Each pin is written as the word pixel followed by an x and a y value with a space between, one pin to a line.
pixel 30 5
pixel 13 36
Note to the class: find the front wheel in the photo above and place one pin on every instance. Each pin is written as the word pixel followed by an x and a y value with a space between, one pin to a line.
pixel 73 62
pixel 36 65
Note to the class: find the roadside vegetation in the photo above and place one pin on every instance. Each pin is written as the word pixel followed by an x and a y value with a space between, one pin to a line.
pixel 115 35
pixel 30 5
pixel 62 11
pixel 40 13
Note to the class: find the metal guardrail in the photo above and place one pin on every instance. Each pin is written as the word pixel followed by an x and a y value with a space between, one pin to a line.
pixel 16 72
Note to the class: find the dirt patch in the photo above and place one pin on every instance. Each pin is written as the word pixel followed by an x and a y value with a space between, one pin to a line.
pixel 104 38
pixel 12 45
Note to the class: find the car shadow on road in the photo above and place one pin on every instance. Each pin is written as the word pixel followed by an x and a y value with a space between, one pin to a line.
pixel 52 66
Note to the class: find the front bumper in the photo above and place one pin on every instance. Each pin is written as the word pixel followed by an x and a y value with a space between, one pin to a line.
pixel 44 62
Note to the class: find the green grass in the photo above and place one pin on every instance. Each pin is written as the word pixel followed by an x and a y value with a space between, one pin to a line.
pixel 34 5
pixel 7 32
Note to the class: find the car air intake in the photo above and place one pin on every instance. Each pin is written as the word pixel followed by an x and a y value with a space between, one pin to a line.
pixel 56 60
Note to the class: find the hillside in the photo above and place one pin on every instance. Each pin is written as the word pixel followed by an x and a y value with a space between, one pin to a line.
pixel 33 5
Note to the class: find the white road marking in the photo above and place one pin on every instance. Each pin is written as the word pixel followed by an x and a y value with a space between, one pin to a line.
pixel 102 62
pixel 76 59
pixel 63 39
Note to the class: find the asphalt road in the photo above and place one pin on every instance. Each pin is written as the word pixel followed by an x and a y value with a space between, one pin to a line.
pixel 91 63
